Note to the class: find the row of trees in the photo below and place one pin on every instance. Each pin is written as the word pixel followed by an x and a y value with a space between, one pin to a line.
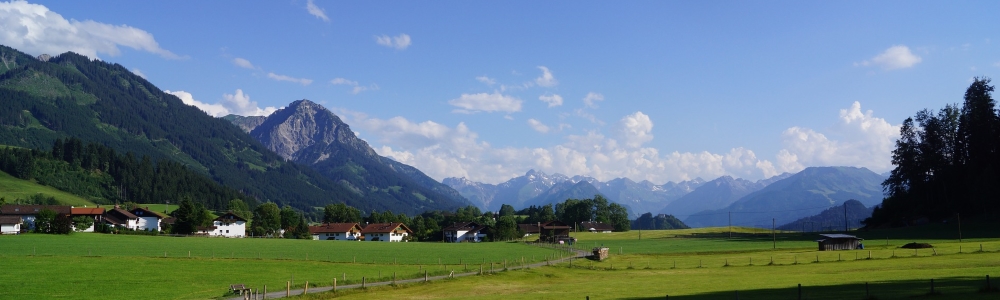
pixel 946 162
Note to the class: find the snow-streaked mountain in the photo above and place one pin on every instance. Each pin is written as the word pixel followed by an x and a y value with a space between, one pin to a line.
pixel 716 194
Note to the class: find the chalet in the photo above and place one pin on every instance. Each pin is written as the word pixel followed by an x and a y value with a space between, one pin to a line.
pixel 336 231
pixel 386 232
pixel 839 242
pixel 554 232
pixel 27 213
pixel 10 224
pixel 464 232
pixel 230 225
pixel 148 219
pixel 121 218
pixel 529 229
pixel 95 213
pixel 597 227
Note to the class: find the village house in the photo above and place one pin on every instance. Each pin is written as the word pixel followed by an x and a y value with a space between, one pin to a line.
pixel 386 232
pixel 95 213
pixel 148 220
pixel 597 227
pixel 336 231
pixel 230 225
pixel 554 232
pixel 10 224
pixel 27 213
pixel 464 232
pixel 529 229
pixel 121 218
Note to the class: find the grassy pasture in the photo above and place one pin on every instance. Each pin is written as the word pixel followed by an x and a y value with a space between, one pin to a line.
pixel 13 188
pixel 159 207
pixel 100 266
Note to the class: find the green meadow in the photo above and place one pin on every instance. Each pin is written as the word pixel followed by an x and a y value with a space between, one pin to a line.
pixel 12 188
pixel 102 266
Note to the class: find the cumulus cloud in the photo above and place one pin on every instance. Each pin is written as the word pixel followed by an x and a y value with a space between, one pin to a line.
pixel 243 63
pixel 553 100
pixel 896 57
pixel 316 11
pixel 634 130
pixel 538 126
pixel 355 87
pixel 35 29
pixel 546 79
pixel 486 80
pixel 237 103
pixel 866 141
pixel 483 102
pixel 400 42
pixel 591 99
pixel 278 77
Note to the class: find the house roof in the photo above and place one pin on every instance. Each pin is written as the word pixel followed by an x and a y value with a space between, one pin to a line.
pixel 90 211
pixel 118 216
pixel 598 226
pixel 334 227
pixel 12 209
pixel 555 225
pixel 145 213
pixel 528 228
pixel 230 217
pixel 10 220
pixel 464 226
pixel 385 228
pixel 839 236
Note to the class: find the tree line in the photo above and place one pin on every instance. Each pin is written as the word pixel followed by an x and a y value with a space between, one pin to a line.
pixel 947 162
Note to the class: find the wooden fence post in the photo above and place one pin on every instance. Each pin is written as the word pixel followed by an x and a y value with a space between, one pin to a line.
pixel 425 275
pixel 800 291
pixel 306 290
pixel 335 284
pixel 288 288
pixel 265 292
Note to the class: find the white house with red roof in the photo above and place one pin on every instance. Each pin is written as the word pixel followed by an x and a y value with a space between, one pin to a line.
pixel 386 232
pixel 336 231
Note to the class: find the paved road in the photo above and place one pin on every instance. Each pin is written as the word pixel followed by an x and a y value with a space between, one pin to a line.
pixel 281 294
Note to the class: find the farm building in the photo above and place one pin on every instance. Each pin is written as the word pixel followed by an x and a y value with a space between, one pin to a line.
pixel 336 232
pixel 386 232
pixel 529 229
pixel 464 232
pixel 229 225
pixel 148 220
pixel 597 227
pixel 121 218
pixel 97 214
pixel 839 242
pixel 27 213
pixel 10 224
pixel 554 232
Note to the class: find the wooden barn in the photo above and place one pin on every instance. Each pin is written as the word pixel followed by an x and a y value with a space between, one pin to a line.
pixel 839 242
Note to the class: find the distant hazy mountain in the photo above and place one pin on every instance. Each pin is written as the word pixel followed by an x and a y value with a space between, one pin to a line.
pixel 717 194
pixel 309 134
pixel 640 197
pixel 832 219
pixel 564 190
pixel 804 194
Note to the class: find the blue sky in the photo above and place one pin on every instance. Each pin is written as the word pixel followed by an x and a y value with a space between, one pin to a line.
pixel 649 90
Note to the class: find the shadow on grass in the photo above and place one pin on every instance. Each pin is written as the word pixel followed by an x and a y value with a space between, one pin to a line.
pixel 936 231
pixel 964 288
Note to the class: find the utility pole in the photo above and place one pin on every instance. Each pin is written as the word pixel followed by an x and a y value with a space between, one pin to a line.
pixel 845 217
pixel 959 216
pixel 774 236
pixel 730 224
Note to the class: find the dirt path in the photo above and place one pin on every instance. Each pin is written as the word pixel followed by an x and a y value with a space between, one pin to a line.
pixel 281 294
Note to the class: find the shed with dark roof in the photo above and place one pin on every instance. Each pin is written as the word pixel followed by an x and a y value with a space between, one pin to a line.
pixel 839 242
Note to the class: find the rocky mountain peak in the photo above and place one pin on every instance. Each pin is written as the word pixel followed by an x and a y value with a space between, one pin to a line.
pixel 304 124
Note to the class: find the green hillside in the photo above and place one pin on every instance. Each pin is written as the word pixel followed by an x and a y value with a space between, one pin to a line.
pixel 12 188
pixel 73 96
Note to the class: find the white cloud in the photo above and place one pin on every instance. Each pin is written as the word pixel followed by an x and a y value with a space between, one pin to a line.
pixel 553 100
pixel 139 73
pixel 546 79
pixel 591 99
pixel 316 11
pixel 237 103
pixel 635 129
pixel 866 141
pixel 243 63
pixel 471 103
pixel 278 77
pixel 896 57
pixel 400 42
pixel 356 88
pixel 587 116
pixel 486 80
pixel 538 126
pixel 35 29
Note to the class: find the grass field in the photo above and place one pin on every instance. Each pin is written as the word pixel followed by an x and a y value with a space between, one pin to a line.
pixel 100 266
pixel 160 207
pixel 13 188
